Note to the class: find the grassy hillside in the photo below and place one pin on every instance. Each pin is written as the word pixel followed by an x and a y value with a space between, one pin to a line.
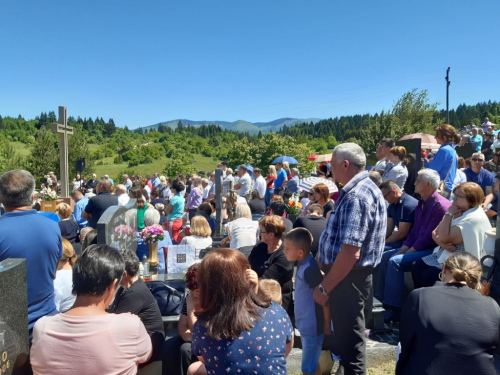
pixel 21 148
pixel 202 163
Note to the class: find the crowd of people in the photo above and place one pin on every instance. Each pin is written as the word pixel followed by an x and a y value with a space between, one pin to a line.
pixel 412 239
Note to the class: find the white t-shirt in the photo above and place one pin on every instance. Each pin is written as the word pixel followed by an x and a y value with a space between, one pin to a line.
pixel 206 191
pixel 91 344
pixel 260 186
pixel 246 182
pixel 123 199
pixel 63 285
pixel 77 184
pixel 243 232
pixel 199 243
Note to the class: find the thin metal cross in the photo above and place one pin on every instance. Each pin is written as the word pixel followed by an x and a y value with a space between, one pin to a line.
pixel 63 130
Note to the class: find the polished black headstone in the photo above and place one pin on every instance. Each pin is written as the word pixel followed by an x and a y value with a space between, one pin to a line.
pixel 14 333
pixel 117 227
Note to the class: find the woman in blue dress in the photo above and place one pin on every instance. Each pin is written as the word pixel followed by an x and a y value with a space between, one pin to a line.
pixel 238 330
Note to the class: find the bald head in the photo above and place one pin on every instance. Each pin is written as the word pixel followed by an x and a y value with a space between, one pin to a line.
pixel 104 185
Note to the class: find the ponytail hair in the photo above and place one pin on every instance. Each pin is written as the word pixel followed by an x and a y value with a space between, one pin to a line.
pixel 400 152
pixel 448 133
pixel 465 267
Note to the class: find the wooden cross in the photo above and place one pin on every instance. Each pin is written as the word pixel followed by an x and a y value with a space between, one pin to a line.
pixel 63 130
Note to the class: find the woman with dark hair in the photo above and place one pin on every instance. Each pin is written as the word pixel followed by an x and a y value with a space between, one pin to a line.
pixel 463 228
pixel 92 340
pixel 177 354
pixel 142 206
pixel 174 210
pixel 321 196
pixel 256 204
pixel 268 259
pixel 450 328
pixel 445 160
pixel 238 329
pixel 134 297
pixel 145 189
pixel 90 239
pixel 396 171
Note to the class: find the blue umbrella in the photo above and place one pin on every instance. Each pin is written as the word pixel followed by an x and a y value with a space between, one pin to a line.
pixel 288 159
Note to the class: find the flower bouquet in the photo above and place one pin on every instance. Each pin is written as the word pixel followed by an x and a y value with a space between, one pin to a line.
pixel 151 235
pixel 123 235
pixel 293 207
pixel 47 194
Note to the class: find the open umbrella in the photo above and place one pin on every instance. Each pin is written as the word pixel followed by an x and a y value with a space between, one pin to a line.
pixel 427 140
pixel 309 182
pixel 312 157
pixel 322 158
pixel 288 159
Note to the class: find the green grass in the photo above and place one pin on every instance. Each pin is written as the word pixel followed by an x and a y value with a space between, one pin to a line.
pixel 201 163
pixel 387 368
pixel 21 148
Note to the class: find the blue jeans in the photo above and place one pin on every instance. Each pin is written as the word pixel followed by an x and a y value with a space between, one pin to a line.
pixel 391 280
pixel 311 350
pixel 394 245
pixel 269 194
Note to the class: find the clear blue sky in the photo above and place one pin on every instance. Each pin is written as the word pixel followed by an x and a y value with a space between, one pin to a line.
pixel 141 62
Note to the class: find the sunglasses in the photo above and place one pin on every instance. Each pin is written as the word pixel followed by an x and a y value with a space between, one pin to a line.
pixel 477 160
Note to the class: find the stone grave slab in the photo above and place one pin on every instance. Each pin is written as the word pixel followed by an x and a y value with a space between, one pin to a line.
pixel 14 333
pixel 117 227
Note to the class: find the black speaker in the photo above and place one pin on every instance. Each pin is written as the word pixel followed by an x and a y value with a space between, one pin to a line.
pixel 80 165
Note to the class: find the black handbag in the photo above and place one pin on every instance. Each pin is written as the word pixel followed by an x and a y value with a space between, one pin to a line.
pixel 169 295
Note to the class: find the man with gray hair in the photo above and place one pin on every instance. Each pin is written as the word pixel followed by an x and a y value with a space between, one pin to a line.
pixel 350 247
pixel 226 184
pixel 25 234
pixel 126 182
pixel 430 210
pixel 121 193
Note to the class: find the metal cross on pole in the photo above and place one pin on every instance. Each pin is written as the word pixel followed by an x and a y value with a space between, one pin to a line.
pixel 63 130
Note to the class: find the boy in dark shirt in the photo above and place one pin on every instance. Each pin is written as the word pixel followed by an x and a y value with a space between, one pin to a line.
pixel 309 316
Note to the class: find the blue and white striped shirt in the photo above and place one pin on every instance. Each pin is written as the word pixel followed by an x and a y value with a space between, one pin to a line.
pixel 358 219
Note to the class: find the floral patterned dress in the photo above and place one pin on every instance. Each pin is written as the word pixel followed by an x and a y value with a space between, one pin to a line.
pixel 258 351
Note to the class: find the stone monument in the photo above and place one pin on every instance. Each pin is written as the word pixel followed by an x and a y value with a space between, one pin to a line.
pixel 117 226
pixel 218 202
pixel 14 333
pixel 63 130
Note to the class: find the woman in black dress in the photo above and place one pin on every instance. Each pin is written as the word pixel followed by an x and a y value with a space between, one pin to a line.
pixel 450 328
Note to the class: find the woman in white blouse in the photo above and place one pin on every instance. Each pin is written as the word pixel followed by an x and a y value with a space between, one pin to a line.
pixel 63 283
pixel 396 171
pixel 199 234
pixel 242 231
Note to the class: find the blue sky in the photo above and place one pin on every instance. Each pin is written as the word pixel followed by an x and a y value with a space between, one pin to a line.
pixel 141 62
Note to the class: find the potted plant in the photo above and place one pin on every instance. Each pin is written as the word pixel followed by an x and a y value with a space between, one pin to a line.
pixel 293 208
pixel 151 235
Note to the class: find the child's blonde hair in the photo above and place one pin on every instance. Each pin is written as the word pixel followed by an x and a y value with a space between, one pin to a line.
pixel 271 288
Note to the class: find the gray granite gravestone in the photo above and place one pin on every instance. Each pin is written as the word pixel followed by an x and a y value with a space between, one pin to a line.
pixel 14 334
pixel 117 226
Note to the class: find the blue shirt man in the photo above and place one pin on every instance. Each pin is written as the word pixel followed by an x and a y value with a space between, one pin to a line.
pixel 476 140
pixel 400 214
pixel 480 175
pixel 156 181
pixel 280 176
pixel 25 234
pixel 80 204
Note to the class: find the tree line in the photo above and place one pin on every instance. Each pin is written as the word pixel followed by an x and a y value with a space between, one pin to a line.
pixel 412 113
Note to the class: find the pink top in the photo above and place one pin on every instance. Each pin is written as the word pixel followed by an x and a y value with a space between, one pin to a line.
pixel 103 344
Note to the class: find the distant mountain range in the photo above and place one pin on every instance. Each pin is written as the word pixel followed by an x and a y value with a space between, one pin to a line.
pixel 240 125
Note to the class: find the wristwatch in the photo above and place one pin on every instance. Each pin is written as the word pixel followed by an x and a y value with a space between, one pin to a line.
pixel 448 213
pixel 322 290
